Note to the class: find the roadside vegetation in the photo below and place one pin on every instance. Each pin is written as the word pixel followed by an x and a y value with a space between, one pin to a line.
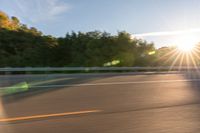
pixel 23 46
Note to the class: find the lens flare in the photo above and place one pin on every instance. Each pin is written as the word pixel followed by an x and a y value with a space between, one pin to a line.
pixel 187 43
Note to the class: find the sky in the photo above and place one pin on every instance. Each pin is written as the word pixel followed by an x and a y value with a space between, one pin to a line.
pixel 164 22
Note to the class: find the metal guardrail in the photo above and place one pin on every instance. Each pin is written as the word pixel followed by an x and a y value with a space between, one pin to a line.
pixel 48 69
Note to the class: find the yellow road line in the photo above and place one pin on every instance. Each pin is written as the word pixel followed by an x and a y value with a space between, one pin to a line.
pixel 47 116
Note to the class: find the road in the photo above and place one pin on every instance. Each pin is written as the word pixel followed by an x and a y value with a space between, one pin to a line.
pixel 103 103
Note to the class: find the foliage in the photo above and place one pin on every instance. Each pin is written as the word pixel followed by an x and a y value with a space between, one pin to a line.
pixel 21 46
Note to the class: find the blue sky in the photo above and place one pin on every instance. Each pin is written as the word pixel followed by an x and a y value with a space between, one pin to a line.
pixel 160 21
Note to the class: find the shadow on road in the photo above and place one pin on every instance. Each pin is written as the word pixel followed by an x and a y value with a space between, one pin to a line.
pixel 46 83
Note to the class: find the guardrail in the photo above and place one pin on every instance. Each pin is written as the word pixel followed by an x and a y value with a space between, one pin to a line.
pixel 49 69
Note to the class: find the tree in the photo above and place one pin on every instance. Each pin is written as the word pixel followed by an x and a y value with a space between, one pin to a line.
pixel 4 20
pixel 23 46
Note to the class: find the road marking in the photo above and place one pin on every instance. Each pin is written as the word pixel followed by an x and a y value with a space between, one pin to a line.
pixel 118 83
pixel 14 119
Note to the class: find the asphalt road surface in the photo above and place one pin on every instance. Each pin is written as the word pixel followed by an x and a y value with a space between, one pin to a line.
pixel 103 103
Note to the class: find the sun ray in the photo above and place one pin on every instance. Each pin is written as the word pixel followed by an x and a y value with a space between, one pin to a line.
pixel 181 61
pixel 175 53
pixel 174 62
pixel 196 55
pixel 167 54
pixel 192 59
pixel 187 62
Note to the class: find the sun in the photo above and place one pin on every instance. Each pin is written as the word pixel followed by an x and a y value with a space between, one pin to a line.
pixel 185 51
pixel 187 43
pixel 186 47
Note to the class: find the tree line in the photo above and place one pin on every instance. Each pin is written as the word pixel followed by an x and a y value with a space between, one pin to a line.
pixel 21 46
